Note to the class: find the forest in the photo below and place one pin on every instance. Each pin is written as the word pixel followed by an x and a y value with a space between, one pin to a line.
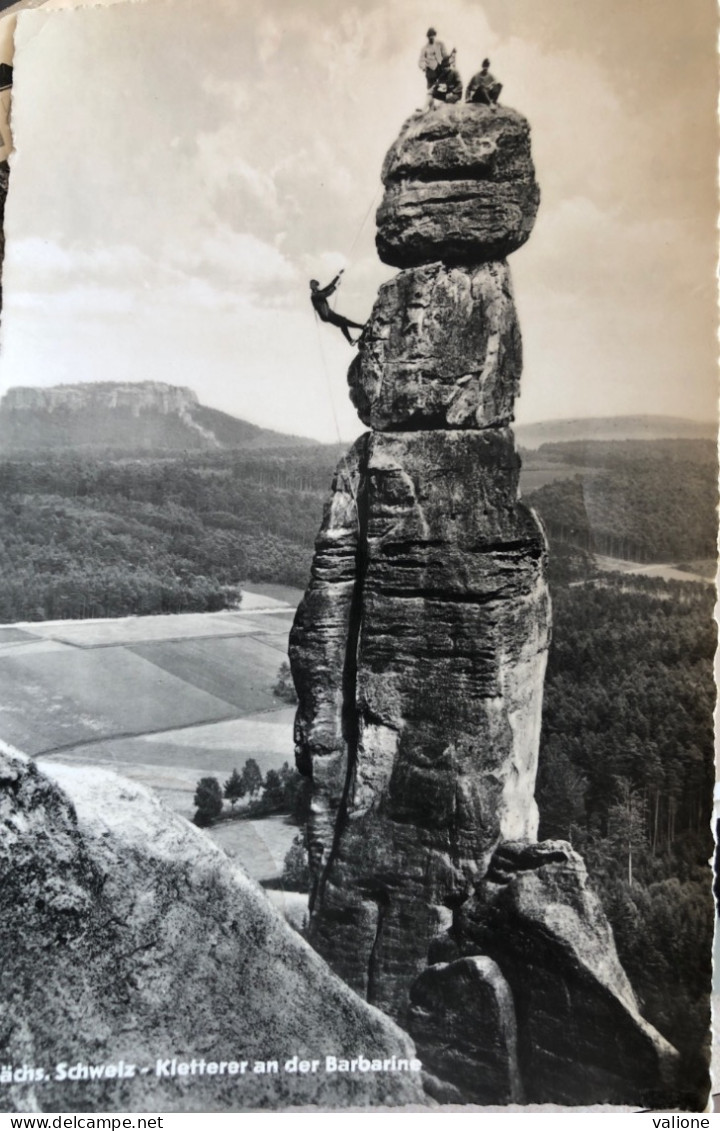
pixel 93 536
pixel 90 537
pixel 626 775
pixel 644 500
pixel 626 762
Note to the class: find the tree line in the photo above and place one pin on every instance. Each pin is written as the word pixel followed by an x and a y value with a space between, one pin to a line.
pixel 279 791
pixel 91 536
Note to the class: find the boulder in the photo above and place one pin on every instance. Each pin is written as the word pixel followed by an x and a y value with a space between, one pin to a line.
pixel 132 945
pixel 462 1019
pixel 459 186
pixel 581 1037
pixel 442 349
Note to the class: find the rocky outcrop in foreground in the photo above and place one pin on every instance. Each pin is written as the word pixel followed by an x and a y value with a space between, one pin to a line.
pixel 133 949
pixel 580 1032
pixel 419 654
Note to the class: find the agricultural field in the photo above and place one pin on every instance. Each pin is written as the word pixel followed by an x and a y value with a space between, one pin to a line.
pixel 57 697
pixel 238 670
pixel 260 846
pixel 184 752
pixel 533 476
pixel 163 700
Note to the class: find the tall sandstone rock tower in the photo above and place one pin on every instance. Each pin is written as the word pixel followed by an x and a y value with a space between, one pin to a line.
pixel 419 656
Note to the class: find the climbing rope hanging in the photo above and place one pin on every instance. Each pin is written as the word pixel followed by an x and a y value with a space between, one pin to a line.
pixel 325 367
pixel 327 378
pixel 359 232
pixel 328 382
pixel 364 220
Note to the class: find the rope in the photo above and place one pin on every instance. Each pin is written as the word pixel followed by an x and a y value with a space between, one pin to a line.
pixel 364 221
pixel 335 418
pixel 358 233
pixel 327 377
pixel 324 360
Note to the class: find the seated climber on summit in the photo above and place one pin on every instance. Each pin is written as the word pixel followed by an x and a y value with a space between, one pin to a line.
pixel 448 86
pixel 319 298
pixel 483 87
pixel 431 57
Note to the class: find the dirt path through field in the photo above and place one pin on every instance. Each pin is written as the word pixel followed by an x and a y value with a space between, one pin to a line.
pixel 660 569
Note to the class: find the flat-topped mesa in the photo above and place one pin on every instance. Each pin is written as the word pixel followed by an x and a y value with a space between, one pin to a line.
pixel 459 187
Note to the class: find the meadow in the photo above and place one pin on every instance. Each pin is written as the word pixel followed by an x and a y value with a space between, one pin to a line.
pixel 163 700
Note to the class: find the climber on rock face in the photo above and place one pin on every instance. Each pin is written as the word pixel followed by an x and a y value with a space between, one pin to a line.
pixel 448 86
pixel 431 57
pixel 319 298
pixel 483 87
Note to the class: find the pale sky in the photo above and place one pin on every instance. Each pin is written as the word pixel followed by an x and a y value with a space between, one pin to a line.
pixel 183 167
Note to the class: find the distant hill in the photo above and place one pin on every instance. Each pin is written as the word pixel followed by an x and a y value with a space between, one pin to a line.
pixel 154 417
pixel 531 436
pixel 112 416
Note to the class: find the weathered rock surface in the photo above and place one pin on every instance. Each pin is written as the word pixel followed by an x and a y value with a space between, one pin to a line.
pixel 453 636
pixel 442 696
pixel 462 1018
pixel 442 349
pixel 322 650
pixel 126 935
pixel 459 186
pixel 581 1037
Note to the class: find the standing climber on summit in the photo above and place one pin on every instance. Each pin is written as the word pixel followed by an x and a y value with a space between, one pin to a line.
pixel 431 57
pixel 319 298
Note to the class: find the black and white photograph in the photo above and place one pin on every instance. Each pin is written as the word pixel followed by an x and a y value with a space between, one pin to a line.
pixel 358 544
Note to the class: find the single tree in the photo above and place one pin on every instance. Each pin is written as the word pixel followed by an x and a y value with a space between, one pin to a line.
pixel 273 793
pixel 627 825
pixel 296 794
pixel 284 687
pixel 252 779
pixel 234 788
pixel 208 798
pixel 296 868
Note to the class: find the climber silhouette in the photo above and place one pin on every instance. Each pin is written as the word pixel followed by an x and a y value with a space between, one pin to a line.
pixel 319 298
